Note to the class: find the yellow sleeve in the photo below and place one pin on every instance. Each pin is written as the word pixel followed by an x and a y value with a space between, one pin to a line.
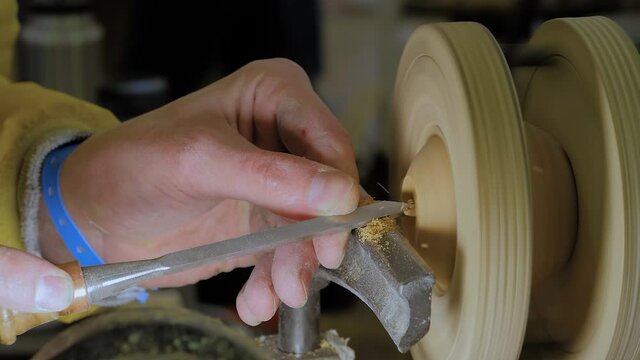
pixel 32 121
pixel 29 117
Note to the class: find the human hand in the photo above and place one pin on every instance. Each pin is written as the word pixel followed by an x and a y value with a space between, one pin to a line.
pixel 254 150
pixel 31 284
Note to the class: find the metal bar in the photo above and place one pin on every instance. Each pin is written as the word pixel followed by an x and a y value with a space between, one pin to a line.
pixel 299 329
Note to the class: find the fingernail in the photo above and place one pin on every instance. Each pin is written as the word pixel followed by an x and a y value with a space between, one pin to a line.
pixel 329 193
pixel 333 262
pixel 305 276
pixel 54 293
pixel 253 319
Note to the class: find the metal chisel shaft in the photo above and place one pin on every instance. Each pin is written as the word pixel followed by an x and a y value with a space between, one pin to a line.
pixel 105 281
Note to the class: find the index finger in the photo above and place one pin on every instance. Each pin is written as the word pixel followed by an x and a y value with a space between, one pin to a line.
pixel 286 106
pixel 307 128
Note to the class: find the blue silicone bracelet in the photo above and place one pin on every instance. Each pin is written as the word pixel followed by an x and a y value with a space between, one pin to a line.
pixel 69 232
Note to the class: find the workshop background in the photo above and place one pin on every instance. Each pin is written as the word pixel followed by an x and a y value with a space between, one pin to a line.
pixel 132 56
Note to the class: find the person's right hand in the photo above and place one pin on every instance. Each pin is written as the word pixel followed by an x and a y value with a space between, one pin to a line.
pixel 31 284
pixel 255 150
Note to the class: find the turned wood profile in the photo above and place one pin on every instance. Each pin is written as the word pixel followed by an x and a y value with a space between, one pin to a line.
pixel 526 190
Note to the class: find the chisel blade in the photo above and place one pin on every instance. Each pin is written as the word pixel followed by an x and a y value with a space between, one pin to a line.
pixel 268 240
pixel 111 282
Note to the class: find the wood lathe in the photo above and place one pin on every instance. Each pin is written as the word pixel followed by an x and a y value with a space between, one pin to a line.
pixel 526 185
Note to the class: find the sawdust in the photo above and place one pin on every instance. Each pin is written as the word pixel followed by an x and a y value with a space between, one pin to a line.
pixel 373 233
pixel 331 346
pixel 376 229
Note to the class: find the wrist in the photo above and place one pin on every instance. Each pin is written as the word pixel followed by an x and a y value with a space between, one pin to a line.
pixel 73 191
pixel 64 235
pixel 52 247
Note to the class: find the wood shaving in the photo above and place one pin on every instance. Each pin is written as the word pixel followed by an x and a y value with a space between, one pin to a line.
pixel 375 230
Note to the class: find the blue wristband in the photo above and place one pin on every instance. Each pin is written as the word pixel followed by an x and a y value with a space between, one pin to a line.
pixel 69 232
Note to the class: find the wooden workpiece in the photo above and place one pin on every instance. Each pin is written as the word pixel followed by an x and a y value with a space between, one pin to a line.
pixel 527 192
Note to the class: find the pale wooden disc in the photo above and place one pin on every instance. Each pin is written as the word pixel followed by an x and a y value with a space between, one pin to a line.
pixel 454 83
pixel 587 96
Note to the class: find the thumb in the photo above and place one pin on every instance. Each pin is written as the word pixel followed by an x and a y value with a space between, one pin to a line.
pixel 287 184
pixel 31 284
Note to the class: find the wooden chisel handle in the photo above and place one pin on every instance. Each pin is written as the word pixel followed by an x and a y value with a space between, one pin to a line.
pixel 13 323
